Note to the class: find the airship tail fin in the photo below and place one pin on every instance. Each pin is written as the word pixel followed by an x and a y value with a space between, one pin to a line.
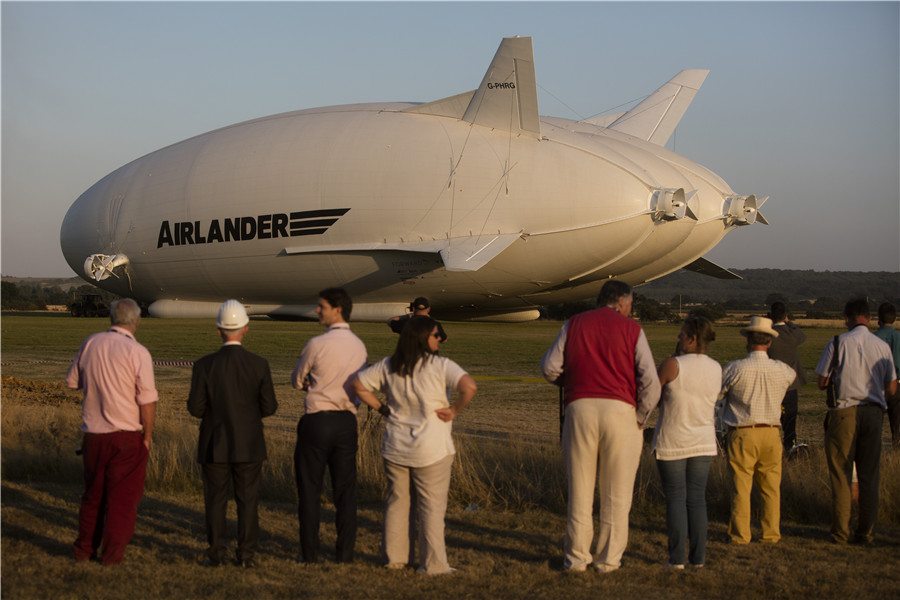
pixel 507 96
pixel 505 100
pixel 454 106
pixel 656 117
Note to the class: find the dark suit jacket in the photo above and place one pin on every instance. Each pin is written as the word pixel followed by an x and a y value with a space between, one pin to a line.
pixel 231 391
pixel 784 348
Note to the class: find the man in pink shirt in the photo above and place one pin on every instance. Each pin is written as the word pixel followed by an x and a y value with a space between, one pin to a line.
pixel 116 374
pixel 327 432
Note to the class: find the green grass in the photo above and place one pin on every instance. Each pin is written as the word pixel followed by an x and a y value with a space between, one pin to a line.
pixel 507 506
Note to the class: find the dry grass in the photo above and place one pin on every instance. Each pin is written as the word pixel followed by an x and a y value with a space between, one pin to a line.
pixel 507 508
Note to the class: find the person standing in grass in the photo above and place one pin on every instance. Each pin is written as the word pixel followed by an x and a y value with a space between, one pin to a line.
pixel 327 433
pixel 684 439
pixel 420 307
pixel 604 362
pixel 118 414
pixel 785 348
pixel 231 391
pixel 864 376
pixel 417 446
pixel 753 388
pixel 887 314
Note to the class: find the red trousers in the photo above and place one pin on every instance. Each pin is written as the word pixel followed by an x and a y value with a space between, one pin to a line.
pixel 115 466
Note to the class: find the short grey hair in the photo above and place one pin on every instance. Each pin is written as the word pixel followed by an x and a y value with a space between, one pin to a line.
pixel 124 311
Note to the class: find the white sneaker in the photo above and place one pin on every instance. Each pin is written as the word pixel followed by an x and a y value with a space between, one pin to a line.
pixel 605 568
pixel 669 565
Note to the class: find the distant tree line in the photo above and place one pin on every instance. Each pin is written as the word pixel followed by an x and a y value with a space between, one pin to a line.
pixel 807 294
pixel 645 309
pixel 826 290
pixel 33 296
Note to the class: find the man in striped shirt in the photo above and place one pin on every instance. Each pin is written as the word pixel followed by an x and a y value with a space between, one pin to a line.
pixel 753 388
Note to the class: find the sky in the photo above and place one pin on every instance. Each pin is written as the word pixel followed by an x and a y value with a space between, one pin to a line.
pixel 802 103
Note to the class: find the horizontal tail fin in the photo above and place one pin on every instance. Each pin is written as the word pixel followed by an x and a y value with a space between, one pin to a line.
pixel 707 267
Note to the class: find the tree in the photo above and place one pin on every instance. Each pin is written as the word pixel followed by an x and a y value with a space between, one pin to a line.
pixel 648 310
pixel 711 310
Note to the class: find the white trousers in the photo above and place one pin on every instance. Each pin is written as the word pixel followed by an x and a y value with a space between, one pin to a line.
pixel 417 501
pixel 601 446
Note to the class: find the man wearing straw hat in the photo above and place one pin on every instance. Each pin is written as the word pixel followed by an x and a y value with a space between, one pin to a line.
pixel 753 388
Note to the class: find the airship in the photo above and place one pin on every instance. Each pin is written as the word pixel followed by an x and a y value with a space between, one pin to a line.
pixel 474 201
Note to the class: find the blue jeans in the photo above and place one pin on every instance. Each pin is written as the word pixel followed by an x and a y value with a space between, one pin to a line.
pixel 684 484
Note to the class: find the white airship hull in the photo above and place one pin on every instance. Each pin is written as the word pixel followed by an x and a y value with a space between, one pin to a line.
pixel 392 202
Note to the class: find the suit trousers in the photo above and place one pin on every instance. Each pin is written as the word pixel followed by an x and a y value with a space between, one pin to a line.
pixel 245 478
pixel 853 435
pixel 115 466
pixel 417 502
pixel 754 455
pixel 790 405
pixel 326 439
pixel 894 420
pixel 601 445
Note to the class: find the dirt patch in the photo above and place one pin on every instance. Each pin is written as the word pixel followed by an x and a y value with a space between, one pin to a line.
pixel 23 391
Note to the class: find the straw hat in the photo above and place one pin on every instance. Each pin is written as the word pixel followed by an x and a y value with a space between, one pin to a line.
pixel 759 325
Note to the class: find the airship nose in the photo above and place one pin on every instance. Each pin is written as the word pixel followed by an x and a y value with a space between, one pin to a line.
pixel 86 236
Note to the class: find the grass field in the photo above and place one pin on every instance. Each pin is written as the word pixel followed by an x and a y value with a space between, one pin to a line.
pixel 507 513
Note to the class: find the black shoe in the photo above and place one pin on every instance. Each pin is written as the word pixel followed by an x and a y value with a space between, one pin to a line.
pixel 208 562
pixel 249 563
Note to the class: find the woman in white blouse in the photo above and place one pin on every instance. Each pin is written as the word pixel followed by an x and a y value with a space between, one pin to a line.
pixel 417 446
pixel 685 439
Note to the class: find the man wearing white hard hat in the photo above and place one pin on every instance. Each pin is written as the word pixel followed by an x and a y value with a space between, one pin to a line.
pixel 753 388
pixel 231 391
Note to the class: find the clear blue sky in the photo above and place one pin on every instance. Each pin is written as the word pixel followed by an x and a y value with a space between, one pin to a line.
pixel 802 102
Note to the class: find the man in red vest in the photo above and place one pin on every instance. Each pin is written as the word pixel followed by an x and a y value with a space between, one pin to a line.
pixel 603 360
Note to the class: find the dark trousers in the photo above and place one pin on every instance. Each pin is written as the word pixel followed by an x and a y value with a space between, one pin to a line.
pixel 790 406
pixel 894 420
pixel 115 466
pixel 245 478
pixel 326 439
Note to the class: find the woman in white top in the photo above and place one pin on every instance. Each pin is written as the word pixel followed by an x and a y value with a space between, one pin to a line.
pixel 685 439
pixel 417 446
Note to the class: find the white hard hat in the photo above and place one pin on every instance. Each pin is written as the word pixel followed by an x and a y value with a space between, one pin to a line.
pixel 232 315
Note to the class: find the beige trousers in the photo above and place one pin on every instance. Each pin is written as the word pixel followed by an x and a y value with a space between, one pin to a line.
pixel 754 455
pixel 417 502
pixel 853 436
pixel 601 446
